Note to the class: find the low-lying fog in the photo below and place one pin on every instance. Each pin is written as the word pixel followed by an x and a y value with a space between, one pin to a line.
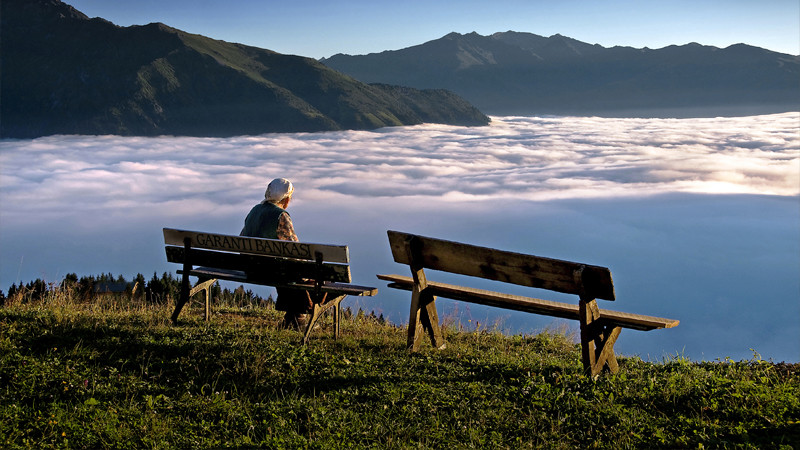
pixel 698 219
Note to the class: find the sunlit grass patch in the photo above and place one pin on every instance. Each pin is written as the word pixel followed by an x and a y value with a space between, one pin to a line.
pixel 108 372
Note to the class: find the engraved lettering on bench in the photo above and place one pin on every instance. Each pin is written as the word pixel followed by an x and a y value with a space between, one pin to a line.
pixel 272 247
pixel 233 243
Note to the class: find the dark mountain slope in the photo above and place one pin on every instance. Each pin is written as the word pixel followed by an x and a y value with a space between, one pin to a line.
pixel 64 73
pixel 511 73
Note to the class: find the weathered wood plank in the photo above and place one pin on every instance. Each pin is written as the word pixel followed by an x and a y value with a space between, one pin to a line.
pixel 340 288
pixel 257 246
pixel 261 269
pixel 516 268
pixel 222 274
pixel 529 304
pixel 330 287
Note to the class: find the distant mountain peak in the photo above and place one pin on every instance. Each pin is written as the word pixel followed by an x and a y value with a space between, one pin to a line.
pixel 66 74
pixel 523 73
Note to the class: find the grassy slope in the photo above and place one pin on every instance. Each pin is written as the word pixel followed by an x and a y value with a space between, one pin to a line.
pixel 116 374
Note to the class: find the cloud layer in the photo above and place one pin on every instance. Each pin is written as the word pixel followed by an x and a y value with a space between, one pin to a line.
pixel 695 217
pixel 516 157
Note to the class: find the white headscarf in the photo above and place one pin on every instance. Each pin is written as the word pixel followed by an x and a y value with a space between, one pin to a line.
pixel 278 189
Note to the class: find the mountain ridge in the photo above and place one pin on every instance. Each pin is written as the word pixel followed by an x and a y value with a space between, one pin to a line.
pixel 64 73
pixel 524 73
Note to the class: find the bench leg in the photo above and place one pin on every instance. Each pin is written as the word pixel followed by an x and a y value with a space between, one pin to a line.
pixel 187 267
pixel 182 300
pixel 205 286
pixel 178 307
pixel 597 340
pixel 318 309
pixel 605 349
pixel 207 315
pixel 337 311
pixel 185 296
pixel 423 317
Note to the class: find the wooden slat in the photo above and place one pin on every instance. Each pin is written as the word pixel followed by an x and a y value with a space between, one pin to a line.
pixel 348 289
pixel 222 274
pixel 509 267
pixel 531 305
pixel 257 246
pixel 261 269
pixel 330 287
pixel 336 288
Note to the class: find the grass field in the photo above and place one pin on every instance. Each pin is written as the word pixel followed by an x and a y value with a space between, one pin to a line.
pixel 112 372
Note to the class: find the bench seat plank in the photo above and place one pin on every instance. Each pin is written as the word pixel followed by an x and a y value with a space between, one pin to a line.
pixel 528 304
pixel 220 274
pixel 239 276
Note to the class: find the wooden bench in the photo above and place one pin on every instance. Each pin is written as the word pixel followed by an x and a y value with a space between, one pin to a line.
pixel 322 271
pixel 599 329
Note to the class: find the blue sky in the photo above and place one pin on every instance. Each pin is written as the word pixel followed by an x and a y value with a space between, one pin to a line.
pixel 322 28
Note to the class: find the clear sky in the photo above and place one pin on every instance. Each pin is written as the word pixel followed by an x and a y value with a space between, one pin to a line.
pixel 322 28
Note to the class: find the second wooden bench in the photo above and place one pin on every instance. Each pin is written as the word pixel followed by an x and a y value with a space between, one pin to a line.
pixel 599 329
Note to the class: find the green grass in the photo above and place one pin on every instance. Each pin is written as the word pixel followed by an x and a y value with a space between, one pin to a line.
pixel 114 373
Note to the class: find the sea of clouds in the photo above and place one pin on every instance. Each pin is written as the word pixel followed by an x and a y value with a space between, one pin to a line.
pixel 698 219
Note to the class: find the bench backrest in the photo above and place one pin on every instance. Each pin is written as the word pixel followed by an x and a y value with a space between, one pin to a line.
pixel 516 268
pixel 257 246
pixel 274 259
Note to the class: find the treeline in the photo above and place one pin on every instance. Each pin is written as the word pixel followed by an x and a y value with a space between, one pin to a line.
pixel 163 289
pixel 156 290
